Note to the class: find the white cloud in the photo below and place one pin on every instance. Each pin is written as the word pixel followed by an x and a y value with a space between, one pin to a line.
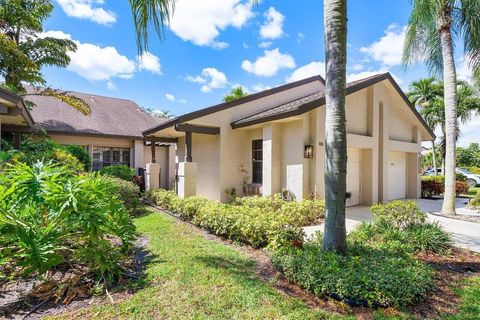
pixel 389 48
pixel 97 63
pixel 269 64
pixel 210 78
pixel 314 68
pixel 272 28
pixel 464 72
pixel 182 101
pixel 215 15
pixel 365 74
pixel 149 62
pixel 469 132
pixel 260 87
pixel 89 10
pixel 357 67
pixel 300 36
pixel 265 44
pixel 55 34
pixel 111 85
pixel 170 97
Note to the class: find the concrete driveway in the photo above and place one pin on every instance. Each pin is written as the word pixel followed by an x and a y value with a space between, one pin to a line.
pixel 465 234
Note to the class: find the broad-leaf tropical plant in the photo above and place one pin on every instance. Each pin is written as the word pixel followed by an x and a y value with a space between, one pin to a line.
pixel 335 26
pixel 433 27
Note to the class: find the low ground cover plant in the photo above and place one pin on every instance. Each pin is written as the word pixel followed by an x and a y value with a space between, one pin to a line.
pixel 379 267
pixel 475 202
pixel 50 216
pixel 258 221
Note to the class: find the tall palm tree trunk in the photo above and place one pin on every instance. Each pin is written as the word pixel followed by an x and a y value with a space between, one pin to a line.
pixel 450 81
pixel 335 17
pixel 434 158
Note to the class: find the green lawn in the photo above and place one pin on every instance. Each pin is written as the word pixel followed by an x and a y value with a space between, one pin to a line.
pixel 191 277
pixel 194 278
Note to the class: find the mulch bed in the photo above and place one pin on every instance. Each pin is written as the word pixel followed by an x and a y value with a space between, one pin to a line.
pixel 29 298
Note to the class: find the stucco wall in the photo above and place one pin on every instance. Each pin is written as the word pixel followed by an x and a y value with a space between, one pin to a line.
pixel 356 113
pixel 292 158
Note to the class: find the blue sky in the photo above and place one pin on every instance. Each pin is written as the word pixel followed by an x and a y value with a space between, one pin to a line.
pixel 212 45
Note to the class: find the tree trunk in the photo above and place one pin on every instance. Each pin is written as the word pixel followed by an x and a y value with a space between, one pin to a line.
pixel 450 81
pixel 335 12
pixel 434 158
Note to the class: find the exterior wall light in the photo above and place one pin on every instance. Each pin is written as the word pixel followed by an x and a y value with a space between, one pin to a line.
pixel 308 152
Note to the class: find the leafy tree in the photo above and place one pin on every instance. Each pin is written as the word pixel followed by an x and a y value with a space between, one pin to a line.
pixel 335 26
pixel 235 94
pixel 24 51
pixel 432 28
pixel 469 156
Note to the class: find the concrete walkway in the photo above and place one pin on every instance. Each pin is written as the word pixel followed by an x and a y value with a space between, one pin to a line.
pixel 465 234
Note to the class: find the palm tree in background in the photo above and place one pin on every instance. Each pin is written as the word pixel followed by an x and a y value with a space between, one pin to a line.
pixel 235 94
pixel 432 28
pixel 423 94
pixel 427 95
pixel 335 26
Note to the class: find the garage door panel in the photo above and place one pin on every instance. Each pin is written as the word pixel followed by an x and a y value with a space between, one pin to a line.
pixel 397 175
pixel 353 177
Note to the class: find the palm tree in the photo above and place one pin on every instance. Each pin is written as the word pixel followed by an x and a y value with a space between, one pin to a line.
pixel 335 25
pixel 429 38
pixel 423 94
pixel 427 95
pixel 235 94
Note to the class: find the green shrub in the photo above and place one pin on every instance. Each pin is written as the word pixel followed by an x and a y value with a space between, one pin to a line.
pixel 129 193
pixel 81 154
pixel 399 213
pixel 49 215
pixel 362 276
pixel 257 221
pixel 428 237
pixel 475 202
pixel 432 186
pixel 121 172
pixel 412 239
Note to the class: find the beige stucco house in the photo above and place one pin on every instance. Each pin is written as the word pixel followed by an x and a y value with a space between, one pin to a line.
pixel 112 133
pixel 277 137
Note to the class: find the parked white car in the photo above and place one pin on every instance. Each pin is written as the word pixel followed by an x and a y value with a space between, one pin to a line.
pixel 473 180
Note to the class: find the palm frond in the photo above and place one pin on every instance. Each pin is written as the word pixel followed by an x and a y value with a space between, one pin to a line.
pixel 150 14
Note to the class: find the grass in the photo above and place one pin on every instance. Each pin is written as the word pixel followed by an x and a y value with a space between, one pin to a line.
pixel 470 295
pixel 191 277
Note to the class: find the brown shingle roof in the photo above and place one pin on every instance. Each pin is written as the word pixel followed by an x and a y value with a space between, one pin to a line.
pixel 109 116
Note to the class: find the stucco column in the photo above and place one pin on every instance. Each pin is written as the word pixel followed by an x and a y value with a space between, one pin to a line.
pixel 152 176
pixel 0 131
pixel 187 179
pixel 138 151
pixel 308 139
pixel 271 160
pixel 320 154
pixel 383 152
pixel 413 167
pixel 90 153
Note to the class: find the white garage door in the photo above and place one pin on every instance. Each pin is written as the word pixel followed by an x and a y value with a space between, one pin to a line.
pixel 353 177
pixel 397 169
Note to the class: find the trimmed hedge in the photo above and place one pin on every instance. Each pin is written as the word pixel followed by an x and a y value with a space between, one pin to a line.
pixel 434 186
pixel 260 222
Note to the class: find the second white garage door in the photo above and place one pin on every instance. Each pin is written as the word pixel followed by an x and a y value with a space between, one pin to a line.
pixel 397 169
pixel 353 177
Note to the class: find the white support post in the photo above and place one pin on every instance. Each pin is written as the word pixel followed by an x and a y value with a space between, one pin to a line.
pixel 152 176
pixel 187 179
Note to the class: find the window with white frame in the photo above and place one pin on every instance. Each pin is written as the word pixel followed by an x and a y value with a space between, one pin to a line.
pixel 106 156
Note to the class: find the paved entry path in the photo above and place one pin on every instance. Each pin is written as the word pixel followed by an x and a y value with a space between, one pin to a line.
pixel 465 234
